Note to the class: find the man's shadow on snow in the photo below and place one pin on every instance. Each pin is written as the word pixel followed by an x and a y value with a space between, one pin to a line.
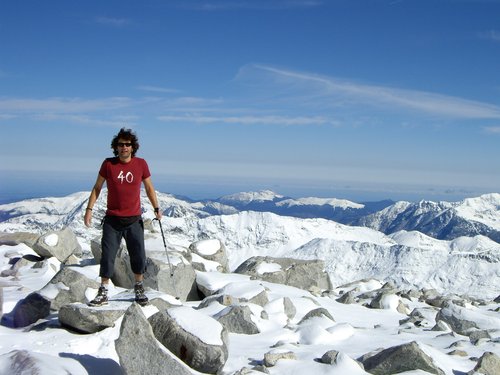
pixel 95 365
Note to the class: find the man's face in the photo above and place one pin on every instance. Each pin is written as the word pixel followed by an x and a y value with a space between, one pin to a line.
pixel 124 148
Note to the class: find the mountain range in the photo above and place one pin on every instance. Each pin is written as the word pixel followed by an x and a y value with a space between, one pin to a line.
pixel 440 220
pixel 449 246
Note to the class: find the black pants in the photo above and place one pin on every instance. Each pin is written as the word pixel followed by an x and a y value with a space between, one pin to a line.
pixel 132 230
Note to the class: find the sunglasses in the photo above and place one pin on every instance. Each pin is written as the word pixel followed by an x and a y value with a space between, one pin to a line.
pixel 122 144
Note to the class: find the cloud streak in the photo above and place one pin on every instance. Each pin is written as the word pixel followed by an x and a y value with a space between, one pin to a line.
pixel 63 105
pixel 493 35
pixel 157 89
pixel 112 21
pixel 247 4
pixel 391 99
pixel 248 120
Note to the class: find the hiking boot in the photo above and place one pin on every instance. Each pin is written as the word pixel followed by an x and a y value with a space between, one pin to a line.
pixel 140 296
pixel 101 298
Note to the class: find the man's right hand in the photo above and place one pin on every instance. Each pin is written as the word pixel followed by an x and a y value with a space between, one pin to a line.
pixel 87 219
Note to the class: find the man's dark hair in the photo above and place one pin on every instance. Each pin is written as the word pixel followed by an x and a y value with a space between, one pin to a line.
pixel 127 135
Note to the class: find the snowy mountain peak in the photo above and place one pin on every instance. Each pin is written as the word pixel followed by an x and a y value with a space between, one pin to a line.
pixel 249 197
pixel 484 209
pixel 312 201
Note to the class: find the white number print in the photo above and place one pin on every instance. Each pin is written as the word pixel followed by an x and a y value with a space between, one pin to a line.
pixel 129 177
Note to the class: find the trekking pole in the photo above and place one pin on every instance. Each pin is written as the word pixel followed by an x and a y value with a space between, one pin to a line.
pixel 168 259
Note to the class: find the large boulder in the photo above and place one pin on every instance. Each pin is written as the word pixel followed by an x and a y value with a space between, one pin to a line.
pixel 27 311
pixel 304 274
pixel 197 339
pixel 177 278
pixel 488 364
pixel 60 244
pixel 210 283
pixel 86 319
pixel 401 358
pixel 140 352
pixel 238 319
pixel 67 286
pixel 12 239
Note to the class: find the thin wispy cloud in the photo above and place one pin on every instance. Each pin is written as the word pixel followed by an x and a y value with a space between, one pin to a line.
pixel 215 5
pixel 112 21
pixel 492 129
pixel 493 35
pixel 85 120
pixel 390 99
pixel 157 89
pixel 62 105
pixel 248 120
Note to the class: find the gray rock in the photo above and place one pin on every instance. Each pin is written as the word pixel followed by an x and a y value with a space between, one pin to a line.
pixel 421 317
pixel 460 353
pixel 347 298
pixel 67 244
pixel 67 286
pixel 271 358
pixel 12 239
pixel 181 282
pixel 330 357
pixel 319 312
pixel 441 326
pixel 208 357
pixel 457 318
pixel 139 351
pixel 289 308
pixel 27 311
pixel 377 302
pixel 303 274
pixel 223 299
pixel 406 357
pixel 488 364
pixel 238 319
pixel 476 336
pixel 85 319
pixel 250 291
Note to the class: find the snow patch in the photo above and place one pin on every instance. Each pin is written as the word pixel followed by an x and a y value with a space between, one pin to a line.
pixel 266 267
pixel 51 240
pixel 205 328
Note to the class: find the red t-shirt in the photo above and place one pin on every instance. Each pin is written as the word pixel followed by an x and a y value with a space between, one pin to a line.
pixel 124 185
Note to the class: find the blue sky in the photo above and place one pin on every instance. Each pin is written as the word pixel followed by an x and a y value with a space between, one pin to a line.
pixel 361 100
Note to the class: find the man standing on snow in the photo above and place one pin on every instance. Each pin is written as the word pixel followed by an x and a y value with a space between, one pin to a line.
pixel 123 175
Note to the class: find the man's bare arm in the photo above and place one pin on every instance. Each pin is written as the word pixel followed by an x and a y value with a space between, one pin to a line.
pixel 151 193
pixel 96 190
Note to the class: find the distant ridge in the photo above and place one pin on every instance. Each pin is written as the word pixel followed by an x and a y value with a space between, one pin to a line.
pixel 440 220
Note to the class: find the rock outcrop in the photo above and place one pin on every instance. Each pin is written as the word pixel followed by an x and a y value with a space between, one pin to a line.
pixel 304 274
pixel 176 329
